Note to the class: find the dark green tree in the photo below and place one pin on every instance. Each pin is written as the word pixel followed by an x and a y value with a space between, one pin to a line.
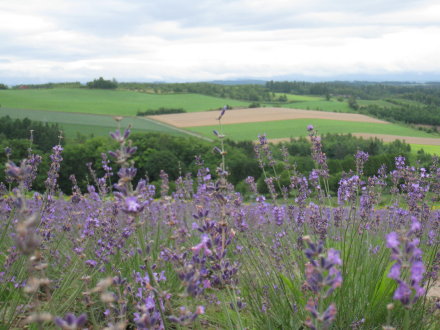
pixel 101 83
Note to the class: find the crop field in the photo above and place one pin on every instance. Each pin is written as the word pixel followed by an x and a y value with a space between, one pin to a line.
pixel 295 128
pixel 300 98
pixel 322 105
pixel 381 103
pixel 257 115
pixel 410 102
pixel 98 125
pixel 416 140
pixel 90 112
pixel 334 105
pixel 429 149
pixel 284 123
pixel 108 102
pixel 202 258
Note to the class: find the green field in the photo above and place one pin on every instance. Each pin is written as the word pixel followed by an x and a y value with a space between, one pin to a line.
pixel 381 103
pixel 323 105
pixel 107 102
pixel 297 127
pixel 300 98
pixel 429 149
pixel 320 103
pixel 98 125
pixel 410 102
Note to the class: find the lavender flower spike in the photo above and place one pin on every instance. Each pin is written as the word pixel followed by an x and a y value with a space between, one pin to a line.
pixel 71 322
pixel 222 112
pixel 406 255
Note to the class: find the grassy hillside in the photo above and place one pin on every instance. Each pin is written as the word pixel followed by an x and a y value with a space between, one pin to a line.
pixel 320 103
pixel 98 125
pixel 296 128
pixel 109 102
pixel 323 105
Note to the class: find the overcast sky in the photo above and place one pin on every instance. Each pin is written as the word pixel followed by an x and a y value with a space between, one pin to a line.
pixel 196 40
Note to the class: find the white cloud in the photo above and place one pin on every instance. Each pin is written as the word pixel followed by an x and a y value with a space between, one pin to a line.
pixel 175 40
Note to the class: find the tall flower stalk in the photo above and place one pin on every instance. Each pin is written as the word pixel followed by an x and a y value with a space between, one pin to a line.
pixel 322 278
pixel 131 205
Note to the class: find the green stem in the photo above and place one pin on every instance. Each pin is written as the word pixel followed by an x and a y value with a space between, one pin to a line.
pixel 141 238
pixel 406 322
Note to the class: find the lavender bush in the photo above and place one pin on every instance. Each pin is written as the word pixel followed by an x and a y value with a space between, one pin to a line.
pixel 114 257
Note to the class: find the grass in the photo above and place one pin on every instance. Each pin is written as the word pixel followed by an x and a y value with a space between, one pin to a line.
pixel 410 102
pixel 108 102
pixel 98 125
pixel 381 103
pixel 296 128
pixel 323 105
pixel 429 149
pixel 319 103
pixel 300 98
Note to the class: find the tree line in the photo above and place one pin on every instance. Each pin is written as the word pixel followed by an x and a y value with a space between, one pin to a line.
pixel 44 135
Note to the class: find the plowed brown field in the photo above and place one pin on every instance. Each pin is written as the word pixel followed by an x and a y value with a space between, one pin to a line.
pixel 209 118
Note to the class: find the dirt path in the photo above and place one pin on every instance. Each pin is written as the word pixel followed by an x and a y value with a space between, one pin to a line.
pixel 209 118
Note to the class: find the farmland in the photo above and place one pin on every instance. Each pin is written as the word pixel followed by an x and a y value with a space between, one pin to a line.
pixel 322 105
pixel 257 115
pixel 295 128
pixel 107 102
pixel 430 149
pixel 98 125
pixel 90 112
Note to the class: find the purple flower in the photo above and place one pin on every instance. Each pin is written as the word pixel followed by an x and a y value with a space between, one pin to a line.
pixel 417 271
pixel 394 272
pixel 222 112
pixel 334 256
pixel 330 313
pixel 91 263
pixel 310 128
pixel 407 255
pixel 415 226
pixel 322 278
pixel 131 205
pixel 403 293
pixel 392 240
pixel 71 322
pixel 203 245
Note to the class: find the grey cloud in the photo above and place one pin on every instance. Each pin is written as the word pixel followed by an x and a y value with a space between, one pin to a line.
pixel 100 31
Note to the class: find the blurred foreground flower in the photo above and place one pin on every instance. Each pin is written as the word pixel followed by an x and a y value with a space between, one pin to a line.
pixel 322 278
pixel 71 322
pixel 407 255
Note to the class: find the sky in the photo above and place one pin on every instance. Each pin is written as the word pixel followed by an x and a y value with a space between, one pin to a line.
pixel 204 40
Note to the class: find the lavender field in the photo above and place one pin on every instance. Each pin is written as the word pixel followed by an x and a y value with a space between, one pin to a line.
pixel 203 257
